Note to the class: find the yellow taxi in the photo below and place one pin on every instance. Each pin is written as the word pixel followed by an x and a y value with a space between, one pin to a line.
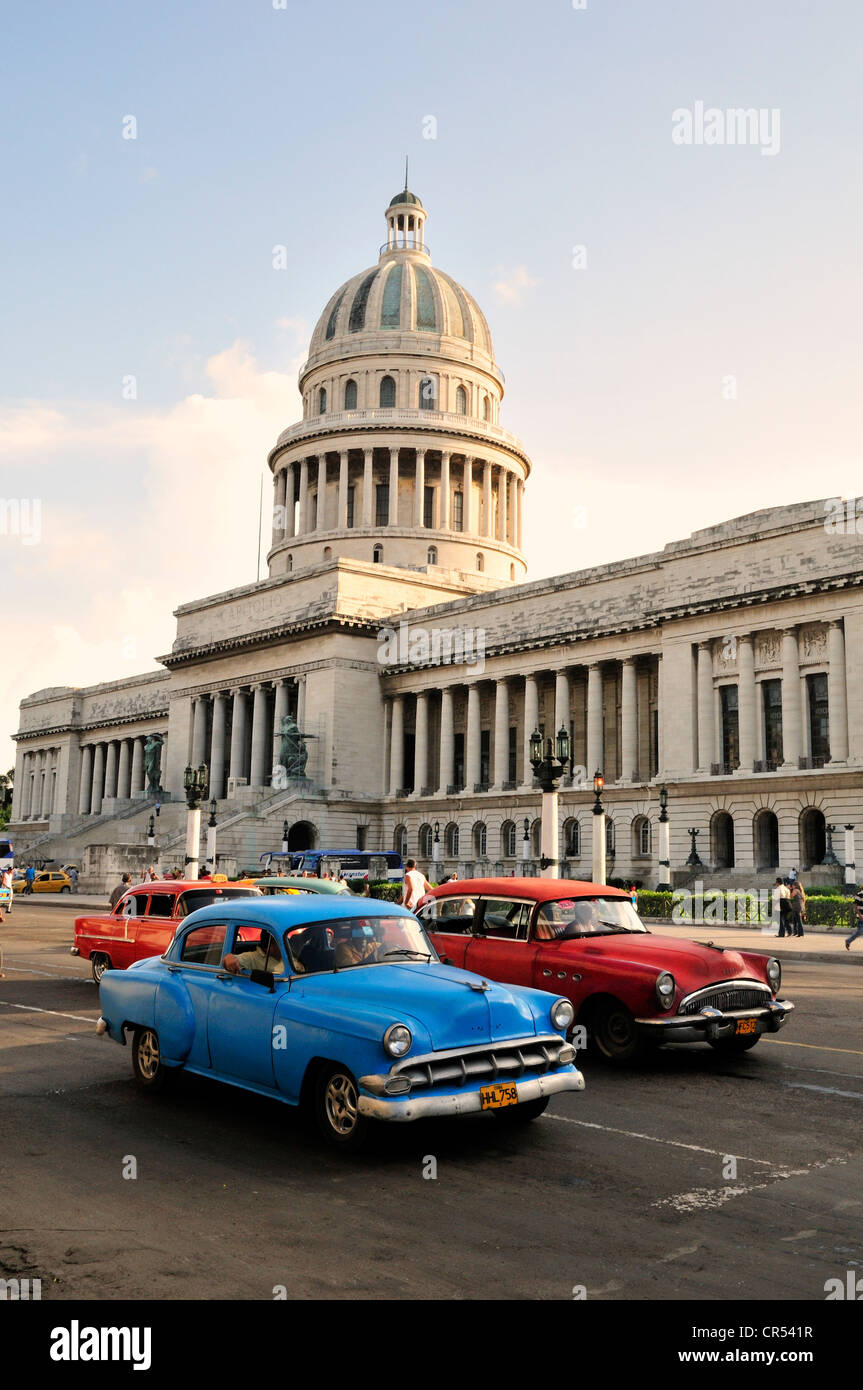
pixel 46 881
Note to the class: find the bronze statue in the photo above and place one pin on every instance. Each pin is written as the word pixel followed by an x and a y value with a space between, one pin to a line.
pixel 293 754
pixel 153 761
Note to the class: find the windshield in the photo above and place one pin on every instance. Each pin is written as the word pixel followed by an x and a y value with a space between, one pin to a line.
pixel 564 918
pixel 205 897
pixel 341 944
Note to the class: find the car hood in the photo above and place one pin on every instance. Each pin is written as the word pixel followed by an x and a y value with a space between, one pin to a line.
pixel 692 963
pixel 455 1007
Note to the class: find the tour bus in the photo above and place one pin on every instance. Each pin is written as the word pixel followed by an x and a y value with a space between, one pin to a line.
pixel 7 855
pixel 374 865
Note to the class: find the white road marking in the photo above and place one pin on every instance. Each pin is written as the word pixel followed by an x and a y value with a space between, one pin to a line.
pixel 50 974
pixel 678 1254
pixel 801 1235
pixel 812 1047
pixel 34 1009
pixel 824 1090
pixel 656 1139
pixel 711 1198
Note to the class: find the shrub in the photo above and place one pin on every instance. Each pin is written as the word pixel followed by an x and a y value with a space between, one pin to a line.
pixel 385 891
pixel 652 904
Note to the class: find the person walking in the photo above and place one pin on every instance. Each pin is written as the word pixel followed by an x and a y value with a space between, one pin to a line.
pixel 416 886
pixel 121 888
pixel 73 878
pixel 858 930
pixel 797 903
pixel 781 906
pixel 29 876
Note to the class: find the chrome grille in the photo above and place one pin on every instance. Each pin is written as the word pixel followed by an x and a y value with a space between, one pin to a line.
pixel 494 1062
pixel 727 997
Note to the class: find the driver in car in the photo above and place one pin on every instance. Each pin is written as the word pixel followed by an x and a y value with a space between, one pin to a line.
pixel 355 945
pixel 263 956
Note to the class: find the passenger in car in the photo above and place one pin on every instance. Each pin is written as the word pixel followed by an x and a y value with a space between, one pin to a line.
pixel 265 956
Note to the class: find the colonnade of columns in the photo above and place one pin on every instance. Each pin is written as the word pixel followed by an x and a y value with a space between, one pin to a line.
pixel 237 732
pixel 472 495
pixel 110 768
pixel 39 771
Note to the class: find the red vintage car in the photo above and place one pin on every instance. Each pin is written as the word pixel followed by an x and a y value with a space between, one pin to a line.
pixel 144 921
pixel 630 988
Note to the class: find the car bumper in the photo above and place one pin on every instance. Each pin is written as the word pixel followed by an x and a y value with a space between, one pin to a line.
pixel 461 1102
pixel 710 1025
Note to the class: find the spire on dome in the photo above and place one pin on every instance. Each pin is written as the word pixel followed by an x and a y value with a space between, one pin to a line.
pixel 405 222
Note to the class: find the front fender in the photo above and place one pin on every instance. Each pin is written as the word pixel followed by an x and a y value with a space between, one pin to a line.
pixel 353 1036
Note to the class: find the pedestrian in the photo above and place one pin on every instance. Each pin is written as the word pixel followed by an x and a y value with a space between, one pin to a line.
pixel 797 903
pixel 6 879
pixel 858 910
pixel 29 875
pixel 781 906
pixel 73 877
pixel 453 877
pixel 633 896
pixel 122 887
pixel 793 877
pixel 416 885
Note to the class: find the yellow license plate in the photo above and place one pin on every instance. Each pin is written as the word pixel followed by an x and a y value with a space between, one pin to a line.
pixel 746 1025
pixel 493 1097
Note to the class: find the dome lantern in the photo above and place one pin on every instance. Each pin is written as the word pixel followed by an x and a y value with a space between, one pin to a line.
pixel 405 216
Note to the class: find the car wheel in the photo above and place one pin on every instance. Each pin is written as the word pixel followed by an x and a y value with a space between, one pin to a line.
pixel 148 1068
pixel 98 965
pixel 729 1047
pixel 614 1034
pixel 337 1107
pixel 523 1113
pixel 65 888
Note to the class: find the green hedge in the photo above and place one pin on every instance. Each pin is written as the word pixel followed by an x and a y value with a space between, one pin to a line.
pixel 735 906
pixel 386 891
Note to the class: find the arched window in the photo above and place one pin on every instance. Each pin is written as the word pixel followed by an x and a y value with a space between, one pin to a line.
pixel 428 393
pixel 508 839
pixel 766 837
pixel 350 395
pixel 486 408
pixel 536 839
pixel 813 837
pixel 387 395
pixel 378 555
pixel 480 840
pixel 290 563
pixel 722 840
pixel 328 552
pixel 425 842
pixel 571 839
pixel 451 840
pixel 322 401
pixel 609 837
pixel 400 840
pixel 431 559
pixel 480 560
pixel 641 836
pixel 461 401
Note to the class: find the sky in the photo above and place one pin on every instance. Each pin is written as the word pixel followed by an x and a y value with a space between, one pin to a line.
pixel 677 316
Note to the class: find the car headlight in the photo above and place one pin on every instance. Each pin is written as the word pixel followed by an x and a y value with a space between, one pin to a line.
pixel 397 1040
pixel 665 989
pixel 774 974
pixel 562 1014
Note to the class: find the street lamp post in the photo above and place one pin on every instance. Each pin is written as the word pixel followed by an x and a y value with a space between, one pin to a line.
pixel 548 758
pixel 693 862
pixel 830 861
pixel 211 837
pixel 285 829
pixel 525 840
pixel 195 783
pixel 151 832
pixel 598 846
pixel 664 886
pixel 436 843
pixel 850 866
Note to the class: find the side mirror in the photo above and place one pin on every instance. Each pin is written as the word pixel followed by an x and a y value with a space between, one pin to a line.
pixel 446 960
pixel 263 977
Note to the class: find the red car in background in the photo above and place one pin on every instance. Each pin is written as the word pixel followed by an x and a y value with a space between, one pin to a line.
pixel 630 988
pixel 144 921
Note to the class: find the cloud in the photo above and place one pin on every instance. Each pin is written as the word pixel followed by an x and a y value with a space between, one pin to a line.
pixel 511 286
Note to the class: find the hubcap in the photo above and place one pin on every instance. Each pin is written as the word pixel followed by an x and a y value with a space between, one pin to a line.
pixel 148 1055
pixel 618 1031
pixel 341 1103
pixel 99 969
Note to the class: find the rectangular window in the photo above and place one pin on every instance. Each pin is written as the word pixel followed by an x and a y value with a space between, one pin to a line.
pixel 729 702
pixel 512 766
pixel 484 757
pixel 382 504
pixel 351 492
pixel 771 695
pixel 819 719
pixel 458 760
pixel 428 508
pixel 458 511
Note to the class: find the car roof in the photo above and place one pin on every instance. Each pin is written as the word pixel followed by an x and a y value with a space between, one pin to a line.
pixel 179 885
pixel 538 889
pixel 305 885
pixel 289 911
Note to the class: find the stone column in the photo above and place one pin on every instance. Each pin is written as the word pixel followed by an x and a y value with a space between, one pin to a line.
pixel 368 489
pixel 342 519
pixel 628 721
pixel 512 507
pixel 238 735
pixel 467 489
pixel 501 732
pixel 561 702
pixel 746 704
pixel 447 742
pixel 472 743
pixel 531 720
pixel 279 518
pixel 86 789
pixel 304 497
pixel 706 730
pixel 421 745
pixel 98 784
pixel 280 709
pixel 393 518
pixel 217 745
pixel 289 491
pixel 520 513
pixel 595 749
pixel 124 770
pixel 502 491
pixel 321 503
pixel 137 780
pixel 419 487
pixel 44 794
pixel 199 730
pixel 443 519
pixel 837 698
pixel 301 703
pixel 258 772
pixel 792 721
pixel 111 769
pixel 487 519
pixel 397 745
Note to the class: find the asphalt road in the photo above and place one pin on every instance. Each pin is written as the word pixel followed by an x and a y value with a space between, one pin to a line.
pixel 687 1177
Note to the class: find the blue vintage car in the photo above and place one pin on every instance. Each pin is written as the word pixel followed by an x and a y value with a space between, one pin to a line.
pixel 341 1004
